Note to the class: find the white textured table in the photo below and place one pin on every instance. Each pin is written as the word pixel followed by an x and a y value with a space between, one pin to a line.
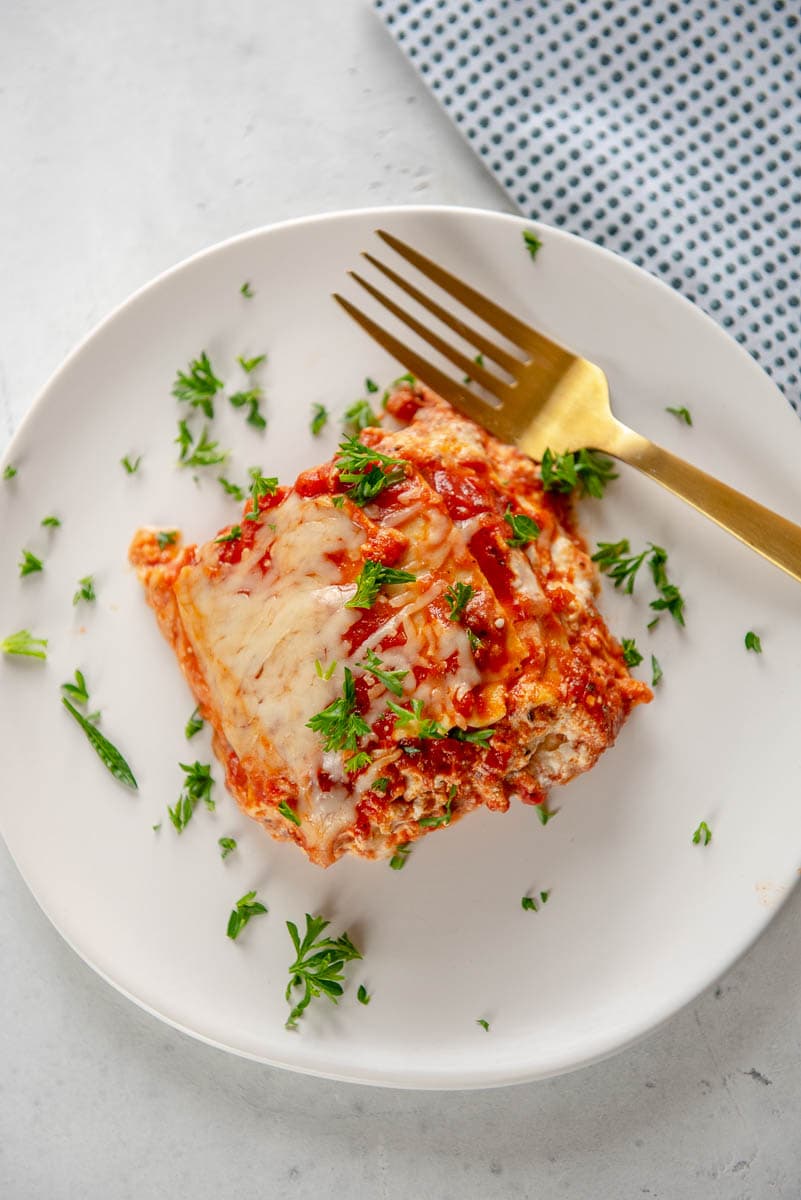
pixel 131 136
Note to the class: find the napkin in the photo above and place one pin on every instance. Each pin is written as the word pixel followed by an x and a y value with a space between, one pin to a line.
pixel 669 132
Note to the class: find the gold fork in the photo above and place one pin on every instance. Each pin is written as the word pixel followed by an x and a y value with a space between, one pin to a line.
pixel 554 399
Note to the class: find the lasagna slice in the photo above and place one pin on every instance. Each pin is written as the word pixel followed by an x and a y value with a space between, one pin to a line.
pixel 405 634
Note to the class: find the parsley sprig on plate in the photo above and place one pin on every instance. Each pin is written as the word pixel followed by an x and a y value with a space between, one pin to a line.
pixel 197 786
pixel 367 471
pixel 106 751
pixel 245 908
pixel 25 644
pixel 586 469
pixel 198 385
pixel 319 965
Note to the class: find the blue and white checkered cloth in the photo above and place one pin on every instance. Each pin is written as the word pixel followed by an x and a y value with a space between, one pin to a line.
pixel 667 130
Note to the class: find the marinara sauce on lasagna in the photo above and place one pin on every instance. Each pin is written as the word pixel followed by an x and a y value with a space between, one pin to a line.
pixel 407 633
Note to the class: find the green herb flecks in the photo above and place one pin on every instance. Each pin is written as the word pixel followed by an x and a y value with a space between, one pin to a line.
pixel 362 995
pixel 444 818
pixel 131 465
pixel 9 472
pixel 86 590
pixel 339 724
pixel 24 644
pixel 261 485
pixel 401 856
pixel 247 291
pixel 204 452
pixel 367 471
pixel 532 243
pixel 77 691
pixel 484 1023
pixel 194 724
pixel 319 419
pixel 458 596
pixel 359 416
pixel 197 786
pixel 251 399
pixel 166 537
pixel 29 564
pixel 108 753
pixel 656 671
pixel 198 385
pixel 288 812
pixel 702 835
pixel 324 672
pixel 372 577
pixel 478 737
pixel 319 965
pixel 50 522
pixel 631 655
pixel 544 813
pixel 249 365
pixel 392 680
pixel 614 560
pixel 233 534
pixel 427 728
pixel 231 489
pixel 479 361
pixel 524 529
pixel 683 414
pixel 357 762
pixel 246 907
pixel 227 846
pixel 752 642
pixel 586 470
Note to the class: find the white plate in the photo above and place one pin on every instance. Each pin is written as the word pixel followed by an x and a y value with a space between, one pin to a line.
pixel 639 920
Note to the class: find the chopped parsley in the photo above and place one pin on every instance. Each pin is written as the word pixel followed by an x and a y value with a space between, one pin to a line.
pixel 29 564
pixel 372 577
pixel 319 419
pixel 370 386
pixel 484 1023
pixel 524 529
pixel 78 690
pixel 166 537
pixel 474 640
pixel 197 786
pixel 86 590
pixel 545 814
pixel 362 995
pixel 615 561
pixel 479 361
pixel 426 728
pixel 227 846
pixel 324 672
pixel 261 485
pixel 532 242
pixel 529 904
pixel 131 465
pixel 359 416
pixel 9 472
pixel 339 724
pixel 233 534
pixel 194 724
pixel 246 907
pixel 392 680
pixel 444 818
pixel 198 385
pixel 631 655
pixel 319 965
pixel 478 737
pixel 683 414
pixel 702 835
pixel 25 644
pixel 358 761
pixel 251 400
pixel 249 365
pixel 401 855
pixel 381 784
pixel 288 812
pixel 458 596
pixel 247 291
pixel 50 522
pixel 587 470
pixel 108 753
pixel 367 471
pixel 205 453
pixel 231 489
pixel 656 671
pixel 752 642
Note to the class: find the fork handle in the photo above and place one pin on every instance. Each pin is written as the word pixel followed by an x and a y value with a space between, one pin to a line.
pixel 772 536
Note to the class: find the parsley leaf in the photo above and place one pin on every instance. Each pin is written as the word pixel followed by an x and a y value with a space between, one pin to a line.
pixel 427 728
pixel 25 644
pixel 86 590
pixel 358 761
pixel 656 671
pixel 381 784
pixel 370 386
pixel 524 529
pixel 392 680
pixel 108 754
pixel 533 243
pixel 77 691
pixel 319 965
pixel 9 472
pixel 359 416
pixel 194 724
pixel 233 534
pixel 458 596
pixel 288 812
pixel 362 995
pixel 444 818
pixel 752 642
pixel 249 365
pixel 319 418
pixel 631 655
pixel 231 489
pixel 324 672
pixel 197 786
pixel 50 522
pixel 682 413
pixel 251 399
pixel 198 385
pixel 227 846
pixel 29 563
pixel 247 291
pixel 401 856
pixel 131 465
pixel 205 453
pixel 262 485
pixel 246 907
pixel 166 537
pixel 367 471
pixel 479 737
pixel 545 814
pixel 587 470
pixel 702 835
pixel 485 1025
pixel 614 560
pixel 339 724
pixel 529 904
pixel 372 577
